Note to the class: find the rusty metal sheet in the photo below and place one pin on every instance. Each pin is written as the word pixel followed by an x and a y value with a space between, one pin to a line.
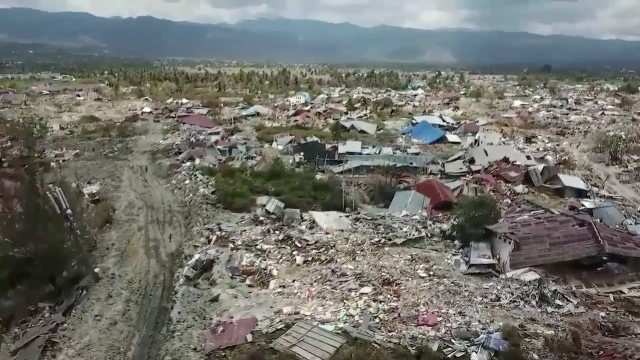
pixel 225 334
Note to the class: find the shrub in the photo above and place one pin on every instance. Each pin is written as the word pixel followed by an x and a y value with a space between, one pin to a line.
pixel 614 145
pixel 237 188
pixel 41 252
pixel 630 87
pixel 626 103
pixel 382 193
pixel 473 214
pixel 103 215
pixel 476 93
pixel 89 119
pixel 267 134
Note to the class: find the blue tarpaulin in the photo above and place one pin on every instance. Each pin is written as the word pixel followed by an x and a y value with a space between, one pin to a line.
pixel 425 133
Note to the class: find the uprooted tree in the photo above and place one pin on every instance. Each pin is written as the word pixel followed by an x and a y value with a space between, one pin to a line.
pixel 473 214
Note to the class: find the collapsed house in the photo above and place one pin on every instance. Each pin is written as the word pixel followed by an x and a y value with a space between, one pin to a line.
pixel 360 126
pixel 534 237
pixel 424 133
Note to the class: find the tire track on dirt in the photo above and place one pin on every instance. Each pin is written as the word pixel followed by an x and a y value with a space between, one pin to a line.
pixel 125 314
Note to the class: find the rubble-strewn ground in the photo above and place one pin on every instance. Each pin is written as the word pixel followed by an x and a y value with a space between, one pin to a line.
pixel 172 262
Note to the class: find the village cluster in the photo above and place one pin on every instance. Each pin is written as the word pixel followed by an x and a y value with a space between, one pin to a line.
pixel 381 261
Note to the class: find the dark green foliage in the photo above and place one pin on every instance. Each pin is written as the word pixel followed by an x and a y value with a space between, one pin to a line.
pixel 473 214
pixel 382 193
pixel 237 188
pixel 630 87
pixel 476 93
pixel 614 145
pixel 40 254
pixel 89 119
pixel 267 134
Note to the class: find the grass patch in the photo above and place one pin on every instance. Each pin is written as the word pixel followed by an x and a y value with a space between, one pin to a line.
pixel 266 134
pixel 89 119
pixel 109 129
pixel 103 215
pixel 237 188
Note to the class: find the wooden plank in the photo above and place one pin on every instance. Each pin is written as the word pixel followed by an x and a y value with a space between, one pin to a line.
pixel 320 345
pixel 317 337
pixel 320 334
pixel 289 342
pixel 300 353
pixel 314 350
pixel 305 354
pixel 329 334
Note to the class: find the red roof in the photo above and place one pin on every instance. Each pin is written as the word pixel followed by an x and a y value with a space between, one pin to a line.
pixel 198 120
pixel 438 193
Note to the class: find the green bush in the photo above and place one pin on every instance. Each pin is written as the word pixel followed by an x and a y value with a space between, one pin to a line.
pixel 89 119
pixel 614 145
pixel 630 87
pixel 237 188
pixel 473 214
pixel 267 134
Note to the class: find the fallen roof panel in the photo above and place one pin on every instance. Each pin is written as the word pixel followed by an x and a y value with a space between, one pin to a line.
pixel 225 334
pixel 408 203
pixel 309 342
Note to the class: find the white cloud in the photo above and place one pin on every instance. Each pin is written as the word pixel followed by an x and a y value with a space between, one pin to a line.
pixel 593 18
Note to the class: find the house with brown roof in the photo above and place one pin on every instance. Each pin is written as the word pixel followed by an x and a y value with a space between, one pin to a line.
pixel 533 237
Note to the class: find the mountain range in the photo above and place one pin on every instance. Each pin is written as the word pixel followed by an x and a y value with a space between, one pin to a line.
pixel 306 41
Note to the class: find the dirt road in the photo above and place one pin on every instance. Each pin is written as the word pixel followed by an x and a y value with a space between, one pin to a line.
pixel 125 313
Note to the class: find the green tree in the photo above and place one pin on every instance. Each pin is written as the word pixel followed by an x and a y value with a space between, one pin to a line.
pixel 473 214
pixel 350 105
pixel 630 87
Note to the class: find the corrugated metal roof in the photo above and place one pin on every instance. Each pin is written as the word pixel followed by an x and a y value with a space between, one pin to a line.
pixel 609 215
pixel 439 194
pixel 408 203
pixel 573 182
pixel 356 161
pixel 545 238
pixel 198 120
pixel 309 342
pixel 228 333
pixel 354 147
pixel 425 133
pixel 452 138
pixel 487 154
pixel 360 125
pixel 431 119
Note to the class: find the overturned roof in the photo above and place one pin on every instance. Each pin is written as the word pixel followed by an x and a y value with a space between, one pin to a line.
pixel 541 238
pixel 360 125
pixel 198 120
pixel 487 154
pixel 356 161
pixel 425 133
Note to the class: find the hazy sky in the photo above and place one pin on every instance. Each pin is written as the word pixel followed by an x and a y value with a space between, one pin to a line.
pixel 592 18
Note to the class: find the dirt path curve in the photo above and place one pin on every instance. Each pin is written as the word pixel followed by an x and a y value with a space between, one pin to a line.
pixel 127 310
